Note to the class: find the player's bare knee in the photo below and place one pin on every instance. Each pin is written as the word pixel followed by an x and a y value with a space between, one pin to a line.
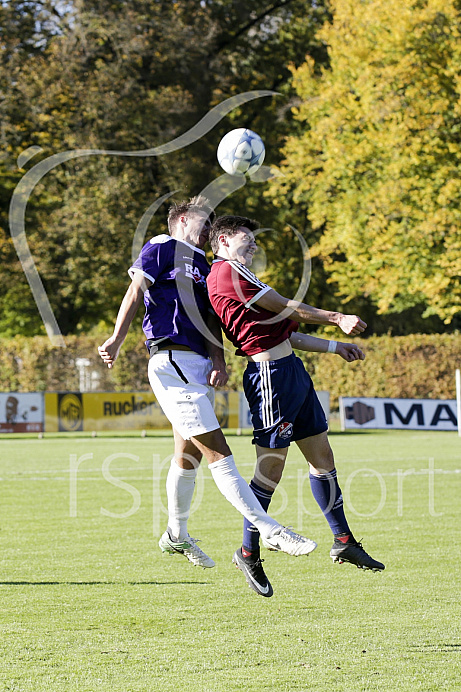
pixel 212 445
pixel 186 453
pixel 269 466
pixel 188 461
pixel 324 464
pixel 268 477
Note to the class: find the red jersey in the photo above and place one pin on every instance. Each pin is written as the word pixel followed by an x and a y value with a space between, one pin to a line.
pixel 233 290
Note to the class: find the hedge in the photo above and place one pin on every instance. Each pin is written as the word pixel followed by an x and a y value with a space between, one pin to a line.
pixel 414 366
pixel 417 366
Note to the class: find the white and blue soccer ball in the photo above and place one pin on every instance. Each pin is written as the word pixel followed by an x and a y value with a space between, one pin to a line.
pixel 241 152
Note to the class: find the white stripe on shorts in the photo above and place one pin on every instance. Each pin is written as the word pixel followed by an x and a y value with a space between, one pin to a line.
pixel 267 412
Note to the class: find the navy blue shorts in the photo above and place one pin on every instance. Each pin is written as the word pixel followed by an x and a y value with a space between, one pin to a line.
pixel 283 404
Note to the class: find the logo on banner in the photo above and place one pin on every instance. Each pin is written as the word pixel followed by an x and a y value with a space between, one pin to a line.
pixel 285 431
pixel 360 413
pixel 70 412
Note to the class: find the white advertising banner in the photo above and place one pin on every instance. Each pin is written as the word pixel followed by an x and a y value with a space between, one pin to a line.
pixel 20 412
pixel 397 414
pixel 245 416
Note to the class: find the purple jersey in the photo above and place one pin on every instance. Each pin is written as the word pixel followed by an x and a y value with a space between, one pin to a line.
pixel 177 302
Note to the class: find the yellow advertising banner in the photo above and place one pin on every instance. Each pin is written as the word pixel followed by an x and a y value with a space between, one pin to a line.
pixel 115 411
pixel 76 411
pixel 226 407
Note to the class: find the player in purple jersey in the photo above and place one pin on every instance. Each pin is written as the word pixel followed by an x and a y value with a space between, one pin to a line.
pixel 284 406
pixel 170 276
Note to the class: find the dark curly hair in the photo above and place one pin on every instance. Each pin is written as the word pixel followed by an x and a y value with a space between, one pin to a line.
pixel 229 226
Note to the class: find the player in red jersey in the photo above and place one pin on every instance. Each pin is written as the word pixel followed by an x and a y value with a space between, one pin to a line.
pixel 262 325
pixel 169 276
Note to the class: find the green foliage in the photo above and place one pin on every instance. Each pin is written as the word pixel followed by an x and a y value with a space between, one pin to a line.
pixel 128 76
pixel 372 172
pixel 377 161
pixel 414 366
pixel 32 364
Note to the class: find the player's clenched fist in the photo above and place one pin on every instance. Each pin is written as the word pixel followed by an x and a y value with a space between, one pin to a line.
pixel 349 352
pixel 109 351
pixel 218 377
pixel 351 324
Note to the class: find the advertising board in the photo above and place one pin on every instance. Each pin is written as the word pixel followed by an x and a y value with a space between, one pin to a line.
pixel 397 414
pixel 21 412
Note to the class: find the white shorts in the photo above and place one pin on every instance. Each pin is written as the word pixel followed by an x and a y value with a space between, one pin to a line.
pixel 179 381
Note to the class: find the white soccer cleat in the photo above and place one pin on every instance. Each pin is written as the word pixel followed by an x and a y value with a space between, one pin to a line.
pixel 188 548
pixel 289 542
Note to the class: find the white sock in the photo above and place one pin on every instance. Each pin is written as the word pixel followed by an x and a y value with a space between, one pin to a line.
pixel 180 484
pixel 237 491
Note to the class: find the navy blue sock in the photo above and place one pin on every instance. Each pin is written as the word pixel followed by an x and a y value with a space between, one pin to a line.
pixel 328 496
pixel 250 543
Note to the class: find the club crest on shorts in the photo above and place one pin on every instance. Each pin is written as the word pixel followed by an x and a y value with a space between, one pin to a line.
pixel 285 430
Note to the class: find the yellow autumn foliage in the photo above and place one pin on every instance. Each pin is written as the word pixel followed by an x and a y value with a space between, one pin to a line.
pixel 379 154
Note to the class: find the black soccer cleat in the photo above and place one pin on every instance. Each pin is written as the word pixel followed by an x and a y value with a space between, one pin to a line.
pixel 353 552
pixel 254 574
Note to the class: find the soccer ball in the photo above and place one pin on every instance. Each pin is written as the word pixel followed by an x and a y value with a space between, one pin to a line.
pixel 241 151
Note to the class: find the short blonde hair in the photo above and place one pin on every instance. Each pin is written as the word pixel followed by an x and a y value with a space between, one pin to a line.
pixel 193 206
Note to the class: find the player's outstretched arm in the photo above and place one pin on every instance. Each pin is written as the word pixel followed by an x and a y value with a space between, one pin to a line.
pixel 300 312
pixel 111 348
pixel 218 375
pixel 305 342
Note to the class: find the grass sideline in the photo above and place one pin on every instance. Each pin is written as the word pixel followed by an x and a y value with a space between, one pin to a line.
pixel 88 603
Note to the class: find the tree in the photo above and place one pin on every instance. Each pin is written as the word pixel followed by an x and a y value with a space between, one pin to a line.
pixel 377 164
pixel 131 75
pixel 26 30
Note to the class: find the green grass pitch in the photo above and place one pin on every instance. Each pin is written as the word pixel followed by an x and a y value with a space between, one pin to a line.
pixel 89 604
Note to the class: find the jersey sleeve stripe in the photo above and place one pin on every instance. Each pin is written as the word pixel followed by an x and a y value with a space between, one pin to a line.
pixel 257 296
pixel 249 276
pixel 134 270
